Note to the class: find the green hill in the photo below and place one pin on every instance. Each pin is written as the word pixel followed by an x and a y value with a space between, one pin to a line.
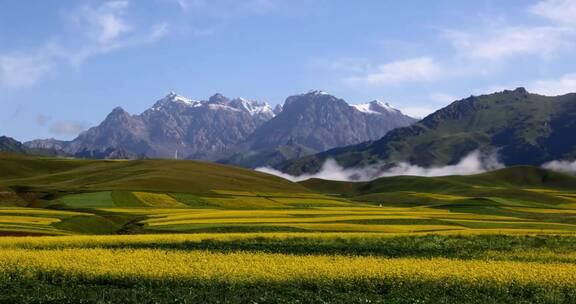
pixel 54 196
pixel 525 129
pixel 518 177
pixel 54 174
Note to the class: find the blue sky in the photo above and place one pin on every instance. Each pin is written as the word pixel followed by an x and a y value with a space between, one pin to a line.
pixel 64 65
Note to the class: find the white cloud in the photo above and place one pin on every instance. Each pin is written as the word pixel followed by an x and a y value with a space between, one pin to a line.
pixel 553 87
pixel 473 163
pixel 105 22
pixel 502 42
pixel 67 128
pixel 559 11
pixel 499 41
pixel 421 69
pixel 561 166
pixel 102 29
pixel 24 70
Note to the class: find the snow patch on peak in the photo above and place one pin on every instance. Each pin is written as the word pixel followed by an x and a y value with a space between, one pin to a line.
pixel 252 107
pixel 375 107
pixel 215 106
pixel 174 98
pixel 317 92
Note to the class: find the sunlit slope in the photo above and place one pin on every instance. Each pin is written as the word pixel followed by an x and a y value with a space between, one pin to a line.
pixel 144 175
pixel 528 194
pixel 519 177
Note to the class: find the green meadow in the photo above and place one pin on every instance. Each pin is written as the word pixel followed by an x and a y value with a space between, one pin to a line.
pixel 180 231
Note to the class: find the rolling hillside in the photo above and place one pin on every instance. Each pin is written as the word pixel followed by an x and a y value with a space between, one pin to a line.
pixel 52 196
pixel 53 174
pixel 523 128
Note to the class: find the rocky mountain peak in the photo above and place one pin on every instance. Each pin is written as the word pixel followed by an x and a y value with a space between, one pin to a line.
pixel 306 99
pixel 252 107
pixel 174 99
pixel 218 99
pixel 118 111
pixel 376 107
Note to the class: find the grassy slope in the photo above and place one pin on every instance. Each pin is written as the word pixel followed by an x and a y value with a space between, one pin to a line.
pixel 520 177
pixel 146 175
pixel 526 128
pixel 122 197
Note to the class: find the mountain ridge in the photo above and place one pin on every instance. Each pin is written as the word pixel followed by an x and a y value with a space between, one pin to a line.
pixel 217 128
pixel 521 127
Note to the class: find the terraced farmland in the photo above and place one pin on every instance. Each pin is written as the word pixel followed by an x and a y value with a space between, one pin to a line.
pixel 144 232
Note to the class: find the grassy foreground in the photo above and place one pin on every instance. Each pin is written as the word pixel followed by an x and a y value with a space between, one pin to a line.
pixel 153 231
pixel 276 268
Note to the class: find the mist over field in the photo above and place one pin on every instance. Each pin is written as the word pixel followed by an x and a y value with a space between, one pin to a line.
pixel 561 166
pixel 474 163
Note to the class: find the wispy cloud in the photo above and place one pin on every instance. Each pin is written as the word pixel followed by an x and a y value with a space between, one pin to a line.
pixel 104 23
pixel 552 87
pixel 559 11
pixel 42 119
pixel 498 40
pixel 496 43
pixel 67 128
pixel 421 69
pixel 19 70
pixel 102 29
pixel 229 6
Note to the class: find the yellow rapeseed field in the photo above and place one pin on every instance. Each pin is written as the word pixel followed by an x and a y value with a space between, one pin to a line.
pixel 250 267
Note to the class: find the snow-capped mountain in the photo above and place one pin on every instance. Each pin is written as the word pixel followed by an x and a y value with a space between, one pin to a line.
pixel 313 122
pixel 221 128
pixel 175 126
pixel 376 107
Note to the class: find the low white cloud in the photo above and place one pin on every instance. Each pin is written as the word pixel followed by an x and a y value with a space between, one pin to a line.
pixel 67 128
pixel 561 166
pixel 553 87
pixel 473 163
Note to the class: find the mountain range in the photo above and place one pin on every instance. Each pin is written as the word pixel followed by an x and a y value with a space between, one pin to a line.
pixel 237 131
pixel 521 128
